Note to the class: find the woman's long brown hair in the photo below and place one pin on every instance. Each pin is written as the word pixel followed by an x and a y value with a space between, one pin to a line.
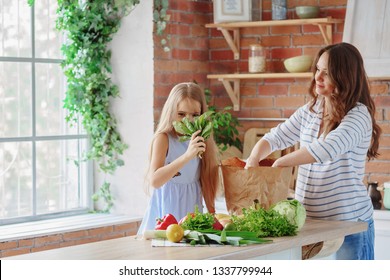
pixel 347 73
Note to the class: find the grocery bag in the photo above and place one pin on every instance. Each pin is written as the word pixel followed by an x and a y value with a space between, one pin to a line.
pixel 242 186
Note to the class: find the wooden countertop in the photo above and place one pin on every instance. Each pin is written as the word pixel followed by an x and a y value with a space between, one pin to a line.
pixel 129 248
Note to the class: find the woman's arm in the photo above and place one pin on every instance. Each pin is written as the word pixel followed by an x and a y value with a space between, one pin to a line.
pixel 259 152
pixel 298 157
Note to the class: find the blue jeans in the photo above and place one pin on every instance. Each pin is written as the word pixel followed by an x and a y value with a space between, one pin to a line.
pixel 358 246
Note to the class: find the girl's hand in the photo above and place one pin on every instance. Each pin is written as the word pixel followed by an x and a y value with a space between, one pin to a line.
pixel 196 145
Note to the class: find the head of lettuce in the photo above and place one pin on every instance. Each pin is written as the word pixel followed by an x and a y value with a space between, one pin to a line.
pixel 293 210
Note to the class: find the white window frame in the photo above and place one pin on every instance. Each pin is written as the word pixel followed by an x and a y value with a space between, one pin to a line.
pixel 86 192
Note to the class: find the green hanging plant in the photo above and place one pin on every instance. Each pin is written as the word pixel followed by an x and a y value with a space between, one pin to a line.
pixel 160 18
pixel 104 195
pixel 89 26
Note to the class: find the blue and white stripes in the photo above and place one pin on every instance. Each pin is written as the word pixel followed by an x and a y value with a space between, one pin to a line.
pixel 332 187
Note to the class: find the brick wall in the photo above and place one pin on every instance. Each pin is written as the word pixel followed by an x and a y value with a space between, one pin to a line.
pixel 269 98
pixel 65 239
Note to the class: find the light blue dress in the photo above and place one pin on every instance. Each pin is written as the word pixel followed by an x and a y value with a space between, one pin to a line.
pixel 180 194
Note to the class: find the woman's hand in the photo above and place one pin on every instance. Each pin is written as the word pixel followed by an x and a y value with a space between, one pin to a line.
pixel 278 162
pixel 196 145
pixel 251 162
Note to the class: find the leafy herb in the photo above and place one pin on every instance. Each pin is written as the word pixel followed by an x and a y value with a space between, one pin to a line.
pixel 186 127
pixel 265 223
pixel 198 221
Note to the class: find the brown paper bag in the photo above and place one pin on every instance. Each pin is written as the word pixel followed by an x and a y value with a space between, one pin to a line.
pixel 242 186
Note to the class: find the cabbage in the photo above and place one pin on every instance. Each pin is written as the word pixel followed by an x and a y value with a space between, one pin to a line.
pixel 293 210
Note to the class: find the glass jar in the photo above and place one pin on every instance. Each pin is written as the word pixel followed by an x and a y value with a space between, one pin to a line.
pixel 279 9
pixel 256 59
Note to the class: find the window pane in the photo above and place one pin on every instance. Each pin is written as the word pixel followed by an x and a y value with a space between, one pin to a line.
pixel 47 38
pixel 59 180
pixel 15 180
pixel 15 28
pixel 50 115
pixel 15 99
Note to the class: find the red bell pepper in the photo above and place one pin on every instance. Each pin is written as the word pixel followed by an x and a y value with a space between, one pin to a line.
pixel 164 222
pixel 217 225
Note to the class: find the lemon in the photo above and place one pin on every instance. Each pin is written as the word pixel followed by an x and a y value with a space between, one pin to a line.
pixel 175 233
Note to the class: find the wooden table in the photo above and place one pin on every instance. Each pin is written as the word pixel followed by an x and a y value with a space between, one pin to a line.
pixel 130 248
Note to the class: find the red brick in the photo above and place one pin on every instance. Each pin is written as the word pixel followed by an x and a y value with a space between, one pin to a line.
pixel 46 247
pixel 8 245
pixel 75 234
pixel 41 241
pixel 289 101
pixel 26 242
pixel 10 253
pixel 125 227
pixel 377 167
pixel 379 88
pixel 262 102
pixel 100 231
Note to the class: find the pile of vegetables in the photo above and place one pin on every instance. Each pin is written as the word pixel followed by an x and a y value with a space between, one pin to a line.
pixel 285 218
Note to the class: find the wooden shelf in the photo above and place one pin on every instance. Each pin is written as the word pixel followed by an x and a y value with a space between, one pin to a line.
pixel 259 76
pixel 231 82
pixel 231 33
pixel 231 30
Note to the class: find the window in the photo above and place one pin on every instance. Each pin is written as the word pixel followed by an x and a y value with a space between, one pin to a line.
pixel 38 148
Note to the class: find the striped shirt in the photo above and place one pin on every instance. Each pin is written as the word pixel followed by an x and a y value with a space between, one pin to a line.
pixel 332 188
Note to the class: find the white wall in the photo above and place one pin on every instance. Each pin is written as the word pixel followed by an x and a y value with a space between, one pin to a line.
pixel 132 63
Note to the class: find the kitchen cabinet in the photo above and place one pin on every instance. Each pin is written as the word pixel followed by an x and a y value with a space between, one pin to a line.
pixel 367 26
pixel 231 33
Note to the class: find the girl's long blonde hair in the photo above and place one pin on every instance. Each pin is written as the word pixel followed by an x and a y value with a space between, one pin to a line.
pixel 209 162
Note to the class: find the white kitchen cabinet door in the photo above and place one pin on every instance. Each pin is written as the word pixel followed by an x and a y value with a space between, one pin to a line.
pixel 367 26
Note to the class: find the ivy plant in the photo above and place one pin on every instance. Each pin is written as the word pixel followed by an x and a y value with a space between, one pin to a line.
pixel 160 18
pixel 88 27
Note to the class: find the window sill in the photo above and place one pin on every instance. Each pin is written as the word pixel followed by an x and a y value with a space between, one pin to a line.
pixel 60 225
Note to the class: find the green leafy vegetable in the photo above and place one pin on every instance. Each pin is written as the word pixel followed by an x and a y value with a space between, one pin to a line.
pixel 197 221
pixel 293 210
pixel 264 223
pixel 185 128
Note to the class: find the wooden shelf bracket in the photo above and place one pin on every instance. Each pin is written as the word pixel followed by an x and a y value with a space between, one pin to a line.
pixel 233 41
pixel 326 31
pixel 232 87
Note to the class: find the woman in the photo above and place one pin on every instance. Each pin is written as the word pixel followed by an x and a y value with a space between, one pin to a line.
pixel 337 132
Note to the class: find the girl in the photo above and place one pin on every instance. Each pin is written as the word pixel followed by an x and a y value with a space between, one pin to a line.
pixel 337 131
pixel 179 177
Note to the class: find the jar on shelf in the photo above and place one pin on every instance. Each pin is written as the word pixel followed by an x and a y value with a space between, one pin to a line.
pixel 256 59
pixel 279 9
